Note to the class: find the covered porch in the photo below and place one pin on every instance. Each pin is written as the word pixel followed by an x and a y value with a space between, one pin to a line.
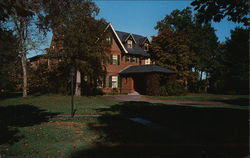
pixel 135 78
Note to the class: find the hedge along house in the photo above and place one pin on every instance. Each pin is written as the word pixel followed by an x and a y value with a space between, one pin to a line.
pixel 129 65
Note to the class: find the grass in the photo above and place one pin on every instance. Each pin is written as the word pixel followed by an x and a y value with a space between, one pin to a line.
pixel 55 138
pixel 29 128
pixel 61 104
pixel 201 97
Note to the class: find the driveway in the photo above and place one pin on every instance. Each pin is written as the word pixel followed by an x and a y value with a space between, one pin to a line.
pixel 163 101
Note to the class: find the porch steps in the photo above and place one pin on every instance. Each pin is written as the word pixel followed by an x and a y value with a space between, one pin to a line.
pixel 134 93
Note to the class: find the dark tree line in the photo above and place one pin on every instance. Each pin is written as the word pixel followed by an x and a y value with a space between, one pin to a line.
pixel 190 47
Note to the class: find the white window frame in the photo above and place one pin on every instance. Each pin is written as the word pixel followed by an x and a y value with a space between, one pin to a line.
pixel 147 61
pixel 114 81
pixel 114 59
pixel 130 43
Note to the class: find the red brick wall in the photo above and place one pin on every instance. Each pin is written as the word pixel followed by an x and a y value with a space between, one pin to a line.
pixel 113 70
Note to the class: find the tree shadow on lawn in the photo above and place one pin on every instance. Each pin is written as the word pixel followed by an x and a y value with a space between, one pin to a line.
pixel 7 95
pixel 187 132
pixel 236 101
pixel 23 115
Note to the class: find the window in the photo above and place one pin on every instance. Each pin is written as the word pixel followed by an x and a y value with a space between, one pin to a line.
pixel 146 46
pixel 134 60
pixel 114 58
pixel 147 61
pixel 114 82
pixel 130 44
pixel 109 39
pixel 101 83
pixel 126 59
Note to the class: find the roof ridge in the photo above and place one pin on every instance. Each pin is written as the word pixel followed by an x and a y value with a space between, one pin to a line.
pixel 132 34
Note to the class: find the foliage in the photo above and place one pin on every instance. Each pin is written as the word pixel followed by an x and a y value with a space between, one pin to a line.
pixel 231 73
pixel 10 7
pixel 8 60
pixel 186 46
pixel 79 39
pixel 236 11
pixel 153 84
pixel 171 51
pixel 170 87
pixel 21 18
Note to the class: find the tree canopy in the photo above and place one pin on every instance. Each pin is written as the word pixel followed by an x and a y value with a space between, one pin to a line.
pixel 180 31
pixel 216 10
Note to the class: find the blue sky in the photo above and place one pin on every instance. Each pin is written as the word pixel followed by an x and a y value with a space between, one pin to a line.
pixel 140 17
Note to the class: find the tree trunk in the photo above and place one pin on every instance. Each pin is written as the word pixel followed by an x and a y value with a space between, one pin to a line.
pixel 22 37
pixel 24 67
pixel 201 75
pixel 78 83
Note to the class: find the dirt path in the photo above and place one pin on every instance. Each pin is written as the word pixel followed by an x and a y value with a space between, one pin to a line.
pixel 162 101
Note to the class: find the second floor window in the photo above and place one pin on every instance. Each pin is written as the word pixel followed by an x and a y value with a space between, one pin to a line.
pixel 130 44
pixel 114 59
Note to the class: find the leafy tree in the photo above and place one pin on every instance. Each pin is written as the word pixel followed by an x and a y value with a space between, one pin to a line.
pixel 10 7
pixel 216 10
pixel 8 58
pixel 21 17
pixel 231 74
pixel 170 49
pixel 198 41
pixel 79 39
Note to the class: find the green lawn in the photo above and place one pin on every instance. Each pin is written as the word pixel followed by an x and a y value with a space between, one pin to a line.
pixel 61 104
pixel 29 128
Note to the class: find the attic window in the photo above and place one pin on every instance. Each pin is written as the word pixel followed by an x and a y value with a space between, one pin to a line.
pixel 129 44
pixel 146 46
pixel 109 40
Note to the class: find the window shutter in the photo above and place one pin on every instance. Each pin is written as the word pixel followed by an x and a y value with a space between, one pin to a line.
pixel 110 81
pixel 111 59
pixel 118 60
pixel 119 82
pixel 104 81
pixel 131 59
pixel 136 60
pixel 126 58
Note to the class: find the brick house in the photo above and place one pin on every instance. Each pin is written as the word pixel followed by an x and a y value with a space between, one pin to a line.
pixel 129 63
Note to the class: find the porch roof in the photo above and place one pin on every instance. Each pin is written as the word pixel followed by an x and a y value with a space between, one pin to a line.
pixel 145 69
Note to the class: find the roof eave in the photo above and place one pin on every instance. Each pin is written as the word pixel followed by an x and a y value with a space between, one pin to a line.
pixel 119 40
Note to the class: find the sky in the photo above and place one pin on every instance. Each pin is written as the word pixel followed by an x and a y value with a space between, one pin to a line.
pixel 140 17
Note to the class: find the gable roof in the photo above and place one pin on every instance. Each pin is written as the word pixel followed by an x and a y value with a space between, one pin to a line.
pixel 137 49
pixel 145 69
pixel 113 30
pixel 130 35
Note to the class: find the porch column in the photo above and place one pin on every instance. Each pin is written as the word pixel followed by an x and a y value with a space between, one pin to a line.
pixel 132 84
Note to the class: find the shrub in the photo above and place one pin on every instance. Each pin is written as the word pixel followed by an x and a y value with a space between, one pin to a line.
pixel 153 84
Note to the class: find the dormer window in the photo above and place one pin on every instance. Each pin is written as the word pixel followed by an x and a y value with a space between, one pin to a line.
pixel 130 44
pixel 146 46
